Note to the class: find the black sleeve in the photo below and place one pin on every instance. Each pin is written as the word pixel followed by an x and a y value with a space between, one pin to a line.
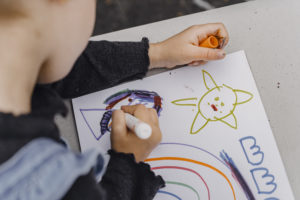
pixel 127 180
pixel 124 179
pixel 104 64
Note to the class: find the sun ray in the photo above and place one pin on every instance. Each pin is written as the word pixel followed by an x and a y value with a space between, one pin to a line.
pixel 207 82
pixel 230 120
pixel 244 92
pixel 200 122
pixel 178 102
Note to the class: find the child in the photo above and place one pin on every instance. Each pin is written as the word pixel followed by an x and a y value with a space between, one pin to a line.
pixel 40 42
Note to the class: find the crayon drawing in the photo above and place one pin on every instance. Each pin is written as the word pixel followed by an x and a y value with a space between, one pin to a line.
pixel 125 97
pixel 234 151
pixel 217 104
pixel 196 175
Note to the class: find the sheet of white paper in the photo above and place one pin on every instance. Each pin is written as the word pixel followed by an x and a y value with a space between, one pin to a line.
pixel 215 107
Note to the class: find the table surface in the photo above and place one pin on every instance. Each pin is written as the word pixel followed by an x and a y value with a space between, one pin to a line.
pixel 269 32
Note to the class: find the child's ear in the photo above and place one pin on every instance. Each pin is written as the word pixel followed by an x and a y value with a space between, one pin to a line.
pixel 243 96
pixel 209 82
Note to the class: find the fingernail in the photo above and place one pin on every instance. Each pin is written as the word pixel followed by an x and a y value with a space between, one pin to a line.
pixel 222 42
pixel 221 54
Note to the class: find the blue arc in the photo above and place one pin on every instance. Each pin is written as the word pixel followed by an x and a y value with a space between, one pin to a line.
pixel 170 194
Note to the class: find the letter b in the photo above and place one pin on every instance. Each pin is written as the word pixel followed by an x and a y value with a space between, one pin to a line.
pixel 252 151
pixel 264 181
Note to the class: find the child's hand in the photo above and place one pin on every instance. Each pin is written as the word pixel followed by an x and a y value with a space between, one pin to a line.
pixel 123 140
pixel 183 48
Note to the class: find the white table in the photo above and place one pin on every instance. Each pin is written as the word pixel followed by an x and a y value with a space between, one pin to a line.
pixel 269 32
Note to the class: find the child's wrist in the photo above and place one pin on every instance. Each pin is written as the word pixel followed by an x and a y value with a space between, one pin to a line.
pixel 155 55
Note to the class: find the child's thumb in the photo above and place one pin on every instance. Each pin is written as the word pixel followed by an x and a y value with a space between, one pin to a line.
pixel 202 53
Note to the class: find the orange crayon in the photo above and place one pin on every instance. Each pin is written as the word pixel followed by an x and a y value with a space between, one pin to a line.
pixel 210 42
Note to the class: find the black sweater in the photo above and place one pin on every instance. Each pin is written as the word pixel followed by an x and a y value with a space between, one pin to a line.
pixel 103 64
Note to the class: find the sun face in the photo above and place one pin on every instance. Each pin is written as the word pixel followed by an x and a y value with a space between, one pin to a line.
pixel 214 106
pixel 217 104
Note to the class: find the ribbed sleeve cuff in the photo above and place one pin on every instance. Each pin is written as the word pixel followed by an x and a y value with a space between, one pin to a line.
pixel 147 183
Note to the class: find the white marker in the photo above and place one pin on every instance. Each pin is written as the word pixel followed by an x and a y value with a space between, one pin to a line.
pixel 141 129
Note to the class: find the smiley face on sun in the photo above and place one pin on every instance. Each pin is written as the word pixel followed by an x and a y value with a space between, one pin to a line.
pixel 216 105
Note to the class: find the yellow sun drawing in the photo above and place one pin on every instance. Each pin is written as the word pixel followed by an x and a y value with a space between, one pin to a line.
pixel 217 104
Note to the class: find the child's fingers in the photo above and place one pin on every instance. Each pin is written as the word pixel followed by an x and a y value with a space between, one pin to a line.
pixel 153 115
pixel 141 112
pixel 129 109
pixel 201 53
pixel 118 123
pixel 217 29
pixel 223 34
pixel 197 63
pixel 134 109
pixel 202 62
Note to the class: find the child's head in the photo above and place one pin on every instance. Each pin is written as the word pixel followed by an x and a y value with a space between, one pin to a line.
pixel 59 28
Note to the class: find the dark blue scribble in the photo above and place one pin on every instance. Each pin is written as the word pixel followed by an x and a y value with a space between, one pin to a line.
pixel 137 96
pixel 237 174
pixel 105 121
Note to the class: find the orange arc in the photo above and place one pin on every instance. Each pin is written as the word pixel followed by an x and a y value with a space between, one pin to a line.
pixel 196 162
